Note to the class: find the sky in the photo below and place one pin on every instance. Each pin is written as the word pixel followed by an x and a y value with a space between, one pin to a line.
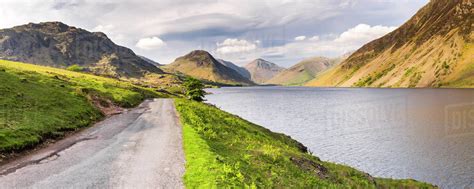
pixel 281 31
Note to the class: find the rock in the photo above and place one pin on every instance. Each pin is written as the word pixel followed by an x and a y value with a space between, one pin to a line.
pixel 311 166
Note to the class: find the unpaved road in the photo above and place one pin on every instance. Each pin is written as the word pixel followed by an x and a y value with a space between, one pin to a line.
pixel 141 148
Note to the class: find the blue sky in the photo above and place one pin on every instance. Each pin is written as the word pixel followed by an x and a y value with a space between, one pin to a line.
pixel 281 31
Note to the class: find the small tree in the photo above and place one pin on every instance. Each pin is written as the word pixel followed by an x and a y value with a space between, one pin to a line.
pixel 194 89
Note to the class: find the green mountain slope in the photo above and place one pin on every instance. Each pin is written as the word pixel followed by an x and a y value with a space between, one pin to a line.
pixel 433 49
pixel 202 65
pixel 58 45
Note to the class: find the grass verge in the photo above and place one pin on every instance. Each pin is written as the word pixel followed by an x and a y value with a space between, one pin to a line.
pixel 39 103
pixel 225 151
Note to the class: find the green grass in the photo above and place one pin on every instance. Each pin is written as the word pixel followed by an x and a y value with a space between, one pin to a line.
pixel 75 68
pixel 40 103
pixel 225 151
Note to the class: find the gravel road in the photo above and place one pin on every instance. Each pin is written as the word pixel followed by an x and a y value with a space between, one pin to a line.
pixel 141 148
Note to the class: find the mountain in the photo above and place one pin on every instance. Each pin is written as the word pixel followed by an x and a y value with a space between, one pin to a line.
pixel 150 61
pixel 432 49
pixel 261 70
pixel 58 45
pixel 202 65
pixel 304 71
pixel 242 71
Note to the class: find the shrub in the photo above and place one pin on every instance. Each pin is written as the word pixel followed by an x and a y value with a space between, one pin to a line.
pixel 194 89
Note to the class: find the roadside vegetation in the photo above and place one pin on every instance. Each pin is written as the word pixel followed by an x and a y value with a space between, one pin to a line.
pixel 225 151
pixel 39 103
pixel 194 89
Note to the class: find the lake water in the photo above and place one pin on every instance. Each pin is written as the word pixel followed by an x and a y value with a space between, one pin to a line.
pixel 424 134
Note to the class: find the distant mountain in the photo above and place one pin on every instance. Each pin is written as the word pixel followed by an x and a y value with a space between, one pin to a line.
pixel 261 70
pixel 433 49
pixel 58 45
pixel 242 71
pixel 151 61
pixel 202 65
pixel 304 71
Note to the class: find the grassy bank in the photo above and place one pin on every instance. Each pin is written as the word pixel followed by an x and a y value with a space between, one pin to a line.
pixel 39 103
pixel 223 150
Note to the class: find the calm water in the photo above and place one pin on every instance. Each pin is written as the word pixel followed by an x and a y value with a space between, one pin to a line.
pixel 424 134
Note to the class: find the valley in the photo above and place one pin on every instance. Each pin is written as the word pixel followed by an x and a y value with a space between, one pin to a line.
pixel 221 95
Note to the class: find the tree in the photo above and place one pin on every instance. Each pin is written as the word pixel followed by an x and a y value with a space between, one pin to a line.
pixel 194 89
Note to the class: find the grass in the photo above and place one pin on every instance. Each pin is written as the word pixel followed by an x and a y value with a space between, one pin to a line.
pixel 40 103
pixel 225 151
pixel 75 68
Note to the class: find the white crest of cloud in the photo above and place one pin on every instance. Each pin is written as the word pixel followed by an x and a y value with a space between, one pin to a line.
pixel 363 33
pixel 231 46
pixel 300 38
pixel 314 38
pixel 150 43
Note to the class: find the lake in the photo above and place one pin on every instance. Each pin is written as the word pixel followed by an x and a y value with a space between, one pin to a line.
pixel 424 134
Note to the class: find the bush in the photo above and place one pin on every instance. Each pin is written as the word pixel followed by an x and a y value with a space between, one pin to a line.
pixel 194 89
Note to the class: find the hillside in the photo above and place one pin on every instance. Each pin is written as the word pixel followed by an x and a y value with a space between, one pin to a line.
pixel 433 49
pixel 202 65
pixel 303 72
pixel 41 103
pixel 261 70
pixel 225 151
pixel 58 45
pixel 150 61
pixel 242 71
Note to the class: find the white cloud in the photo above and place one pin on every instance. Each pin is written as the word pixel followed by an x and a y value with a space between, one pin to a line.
pixel 335 45
pixel 232 46
pixel 185 24
pixel 330 45
pixel 363 33
pixel 150 43
pixel 314 38
pixel 300 38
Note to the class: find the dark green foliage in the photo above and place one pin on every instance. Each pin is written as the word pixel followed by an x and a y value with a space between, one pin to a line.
pixel 194 89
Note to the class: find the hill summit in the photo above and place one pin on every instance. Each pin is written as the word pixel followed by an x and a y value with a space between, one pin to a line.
pixel 261 70
pixel 304 71
pixel 58 45
pixel 202 65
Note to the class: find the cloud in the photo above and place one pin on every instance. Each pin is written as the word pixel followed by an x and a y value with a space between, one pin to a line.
pixel 363 33
pixel 233 46
pixel 330 45
pixel 188 24
pixel 150 43
pixel 300 38
pixel 314 38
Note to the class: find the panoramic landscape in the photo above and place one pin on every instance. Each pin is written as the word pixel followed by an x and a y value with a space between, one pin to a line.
pixel 237 94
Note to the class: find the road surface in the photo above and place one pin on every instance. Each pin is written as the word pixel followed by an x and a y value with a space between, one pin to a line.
pixel 141 148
